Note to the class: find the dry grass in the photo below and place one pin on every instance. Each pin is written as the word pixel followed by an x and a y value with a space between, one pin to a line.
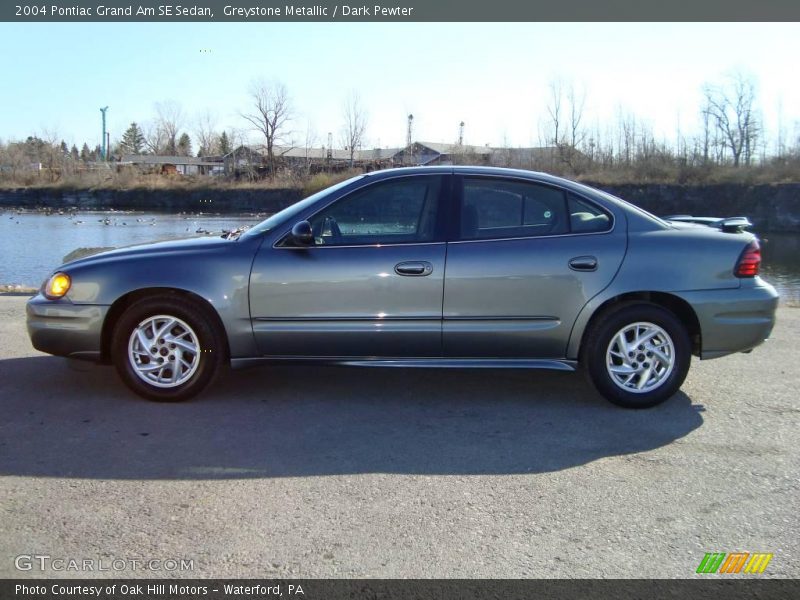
pixel 320 181
pixel 130 180
pixel 664 173
pixel 640 172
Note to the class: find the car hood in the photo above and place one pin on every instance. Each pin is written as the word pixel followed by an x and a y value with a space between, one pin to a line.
pixel 155 248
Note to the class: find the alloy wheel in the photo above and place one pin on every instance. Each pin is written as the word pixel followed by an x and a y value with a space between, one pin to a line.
pixel 164 351
pixel 640 357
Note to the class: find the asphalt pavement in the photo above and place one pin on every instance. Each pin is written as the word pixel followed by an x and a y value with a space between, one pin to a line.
pixel 342 472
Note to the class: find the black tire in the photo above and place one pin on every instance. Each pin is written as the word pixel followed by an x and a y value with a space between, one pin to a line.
pixel 596 353
pixel 199 369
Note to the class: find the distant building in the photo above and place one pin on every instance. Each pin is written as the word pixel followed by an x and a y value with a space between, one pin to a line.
pixel 251 160
pixel 432 153
pixel 174 165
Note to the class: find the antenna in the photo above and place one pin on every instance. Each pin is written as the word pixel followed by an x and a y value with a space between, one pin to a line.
pixel 104 150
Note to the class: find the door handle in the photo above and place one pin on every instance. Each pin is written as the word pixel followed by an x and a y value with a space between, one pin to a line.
pixel 583 263
pixel 414 268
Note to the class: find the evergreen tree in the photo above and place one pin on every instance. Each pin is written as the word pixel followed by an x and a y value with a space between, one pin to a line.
pixel 73 153
pixel 86 155
pixel 224 144
pixel 184 147
pixel 34 149
pixel 64 148
pixel 133 140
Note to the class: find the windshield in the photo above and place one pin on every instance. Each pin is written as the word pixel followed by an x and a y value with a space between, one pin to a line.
pixel 292 211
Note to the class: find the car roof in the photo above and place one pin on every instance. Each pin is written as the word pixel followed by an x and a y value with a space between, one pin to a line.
pixel 455 169
pixel 473 170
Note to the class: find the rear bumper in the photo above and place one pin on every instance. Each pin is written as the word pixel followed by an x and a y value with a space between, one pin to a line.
pixel 65 329
pixel 734 320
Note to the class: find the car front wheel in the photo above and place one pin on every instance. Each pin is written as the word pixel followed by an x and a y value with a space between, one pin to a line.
pixel 638 356
pixel 166 349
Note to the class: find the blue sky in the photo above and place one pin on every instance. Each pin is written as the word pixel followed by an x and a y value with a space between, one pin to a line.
pixel 492 76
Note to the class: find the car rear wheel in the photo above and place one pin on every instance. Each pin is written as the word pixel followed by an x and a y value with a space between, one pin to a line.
pixel 638 355
pixel 166 348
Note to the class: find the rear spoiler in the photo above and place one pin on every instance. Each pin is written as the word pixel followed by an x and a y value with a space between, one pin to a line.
pixel 728 225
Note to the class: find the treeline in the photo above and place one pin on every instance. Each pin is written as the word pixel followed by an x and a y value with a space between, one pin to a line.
pixel 729 145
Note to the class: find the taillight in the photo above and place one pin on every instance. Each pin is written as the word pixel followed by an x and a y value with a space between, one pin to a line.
pixel 750 261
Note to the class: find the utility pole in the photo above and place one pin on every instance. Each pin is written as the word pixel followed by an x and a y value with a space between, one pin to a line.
pixel 104 150
pixel 461 133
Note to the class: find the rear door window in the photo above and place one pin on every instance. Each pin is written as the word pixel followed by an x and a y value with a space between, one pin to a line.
pixel 498 208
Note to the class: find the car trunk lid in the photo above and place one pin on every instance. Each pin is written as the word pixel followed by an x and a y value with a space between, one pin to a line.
pixel 726 224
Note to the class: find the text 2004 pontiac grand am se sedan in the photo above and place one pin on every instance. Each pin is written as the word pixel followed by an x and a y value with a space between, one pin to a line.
pixel 423 267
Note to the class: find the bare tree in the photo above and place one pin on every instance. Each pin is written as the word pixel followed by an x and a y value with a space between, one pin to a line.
pixel 169 120
pixel 154 138
pixel 230 144
pixel 12 159
pixel 707 135
pixel 565 107
pixel 577 102
pixel 355 124
pixel 577 134
pixel 731 108
pixel 271 116
pixel 780 142
pixel 626 132
pixel 205 133
pixel 554 110
pixel 50 155
pixel 310 139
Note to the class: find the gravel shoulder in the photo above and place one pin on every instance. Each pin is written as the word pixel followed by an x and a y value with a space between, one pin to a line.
pixel 336 472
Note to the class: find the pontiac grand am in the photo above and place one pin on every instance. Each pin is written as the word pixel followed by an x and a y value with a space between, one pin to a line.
pixel 444 267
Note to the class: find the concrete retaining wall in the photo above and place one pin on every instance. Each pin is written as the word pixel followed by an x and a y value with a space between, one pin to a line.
pixel 770 207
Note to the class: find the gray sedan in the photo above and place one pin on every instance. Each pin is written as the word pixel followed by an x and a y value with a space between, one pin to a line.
pixel 425 267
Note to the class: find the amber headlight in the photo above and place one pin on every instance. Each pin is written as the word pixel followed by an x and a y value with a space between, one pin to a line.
pixel 57 286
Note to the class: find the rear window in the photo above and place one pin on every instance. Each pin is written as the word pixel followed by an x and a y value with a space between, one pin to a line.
pixel 585 217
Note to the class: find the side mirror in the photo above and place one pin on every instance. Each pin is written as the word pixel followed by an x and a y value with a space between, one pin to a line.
pixel 302 235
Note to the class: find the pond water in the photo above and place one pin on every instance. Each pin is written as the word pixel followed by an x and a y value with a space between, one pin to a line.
pixel 781 264
pixel 33 243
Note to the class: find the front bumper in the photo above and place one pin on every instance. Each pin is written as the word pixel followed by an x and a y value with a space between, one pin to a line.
pixel 734 320
pixel 64 329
